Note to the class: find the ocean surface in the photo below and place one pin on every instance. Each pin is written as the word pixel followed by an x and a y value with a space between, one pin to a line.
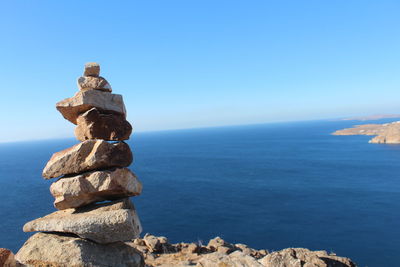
pixel 270 186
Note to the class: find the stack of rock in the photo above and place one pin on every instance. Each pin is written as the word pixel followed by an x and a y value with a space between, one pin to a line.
pixel 92 193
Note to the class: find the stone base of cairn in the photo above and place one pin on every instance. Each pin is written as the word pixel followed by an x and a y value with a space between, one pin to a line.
pixel 95 215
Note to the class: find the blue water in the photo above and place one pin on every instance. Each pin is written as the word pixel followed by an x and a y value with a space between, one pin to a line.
pixel 270 186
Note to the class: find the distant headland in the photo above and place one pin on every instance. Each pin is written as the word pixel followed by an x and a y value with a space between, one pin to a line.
pixel 388 133
pixel 372 117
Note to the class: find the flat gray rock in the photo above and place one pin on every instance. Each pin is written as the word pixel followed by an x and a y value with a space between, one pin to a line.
pixel 72 107
pixel 90 187
pixel 56 250
pixel 103 223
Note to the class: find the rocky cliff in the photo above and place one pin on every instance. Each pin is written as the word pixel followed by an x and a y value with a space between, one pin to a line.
pixel 388 133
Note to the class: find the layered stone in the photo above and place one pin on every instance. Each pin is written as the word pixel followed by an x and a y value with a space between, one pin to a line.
pixel 86 156
pixel 93 83
pixel 103 223
pixel 56 250
pixel 72 107
pixel 92 69
pixel 93 124
pixel 80 190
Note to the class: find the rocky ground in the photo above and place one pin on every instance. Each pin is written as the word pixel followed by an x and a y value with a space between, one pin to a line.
pixel 158 251
pixel 388 133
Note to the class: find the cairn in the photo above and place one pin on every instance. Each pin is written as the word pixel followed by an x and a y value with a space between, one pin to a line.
pixel 95 214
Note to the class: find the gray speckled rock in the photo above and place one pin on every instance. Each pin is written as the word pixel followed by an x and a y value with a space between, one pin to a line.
pixel 72 107
pixel 56 250
pixel 87 156
pixel 80 190
pixel 103 223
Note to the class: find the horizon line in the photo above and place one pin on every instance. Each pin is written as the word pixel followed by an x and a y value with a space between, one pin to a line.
pixel 355 118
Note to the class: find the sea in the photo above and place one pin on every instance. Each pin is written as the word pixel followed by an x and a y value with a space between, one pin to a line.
pixel 269 186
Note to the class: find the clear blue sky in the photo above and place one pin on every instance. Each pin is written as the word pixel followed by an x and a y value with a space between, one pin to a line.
pixel 184 64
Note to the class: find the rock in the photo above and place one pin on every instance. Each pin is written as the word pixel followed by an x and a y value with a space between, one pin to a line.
pixel 258 254
pixel 235 259
pixel 72 107
pixel 92 69
pixel 156 244
pixel 56 250
pixel 101 223
pixel 7 258
pixel 192 248
pixel 86 156
pixel 220 245
pixel 96 125
pixel 93 83
pixel 244 248
pixel 301 257
pixel 77 191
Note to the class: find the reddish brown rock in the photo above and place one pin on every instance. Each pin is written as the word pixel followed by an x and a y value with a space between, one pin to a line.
pixel 96 125
pixel 93 83
pixel 7 258
pixel 90 187
pixel 92 69
pixel 87 156
pixel 72 107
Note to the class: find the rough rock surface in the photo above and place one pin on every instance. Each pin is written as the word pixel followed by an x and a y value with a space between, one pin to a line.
pixel 388 133
pixel 219 253
pixel 391 135
pixel 301 257
pixel 86 188
pixel 72 107
pixel 7 258
pixel 94 124
pixel 93 83
pixel 92 69
pixel 102 223
pixel 56 250
pixel 234 259
pixel 87 156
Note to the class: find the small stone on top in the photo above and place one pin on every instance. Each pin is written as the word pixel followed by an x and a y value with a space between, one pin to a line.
pixel 92 69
